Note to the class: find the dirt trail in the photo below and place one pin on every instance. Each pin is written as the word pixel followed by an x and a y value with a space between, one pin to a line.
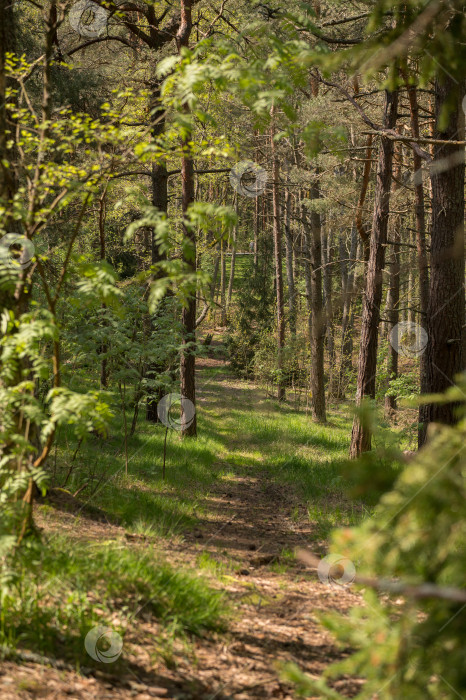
pixel 275 598
pixel 251 525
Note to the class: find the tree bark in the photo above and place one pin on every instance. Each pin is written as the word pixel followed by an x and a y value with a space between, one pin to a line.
pixel 318 321
pixel 277 240
pixel 8 184
pixel 362 229
pixel 103 349
pixel 348 291
pixel 213 284
pixel 159 196
pixel 232 263
pixel 392 312
pixel 223 277
pixel 307 269
pixel 159 174
pixel 289 264
pixel 445 311
pixel 422 257
pixel 9 299
pixel 328 302
pixel 393 295
pixel 420 217
pixel 188 318
pixel 361 435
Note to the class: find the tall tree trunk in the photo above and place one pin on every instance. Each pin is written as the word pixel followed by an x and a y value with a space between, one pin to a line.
pixel 256 230
pixel 393 294
pixel 232 262
pixel 213 284
pixel 361 436
pixel 328 299
pixel 223 278
pixel 445 311
pixel 411 281
pixel 188 318
pixel 362 229
pixel 9 299
pixel 159 174
pixel 103 349
pixel 289 264
pixel 420 220
pixel 306 259
pixel 16 302
pixel 159 196
pixel 8 183
pixel 277 240
pixel 348 291
pixel 318 321
pixel 392 313
pixel 419 209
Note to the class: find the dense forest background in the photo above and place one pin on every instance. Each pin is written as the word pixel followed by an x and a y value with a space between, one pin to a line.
pixel 232 284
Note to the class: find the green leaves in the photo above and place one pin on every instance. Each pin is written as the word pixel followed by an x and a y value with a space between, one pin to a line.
pixel 177 276
pixel 317 135
pixel 405 647
pixel 97 282
pixel 208 216
pixel 85 412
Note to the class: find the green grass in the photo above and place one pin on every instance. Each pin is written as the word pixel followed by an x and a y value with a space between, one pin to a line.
pixel 328 517
pixel 239 428
pixel 75 586
pixel 242 269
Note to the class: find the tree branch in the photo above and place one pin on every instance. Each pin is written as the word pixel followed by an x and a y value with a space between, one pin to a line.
pixel 376 127
pixel 418 591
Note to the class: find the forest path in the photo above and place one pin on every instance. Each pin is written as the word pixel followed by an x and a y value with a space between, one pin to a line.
pixel 248 526
pixel 247 538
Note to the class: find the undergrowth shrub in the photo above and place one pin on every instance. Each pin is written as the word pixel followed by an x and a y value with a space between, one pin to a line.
pixel 408 646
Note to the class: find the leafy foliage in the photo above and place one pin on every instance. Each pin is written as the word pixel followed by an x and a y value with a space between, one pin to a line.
pixel 254 314
pixel 407 646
